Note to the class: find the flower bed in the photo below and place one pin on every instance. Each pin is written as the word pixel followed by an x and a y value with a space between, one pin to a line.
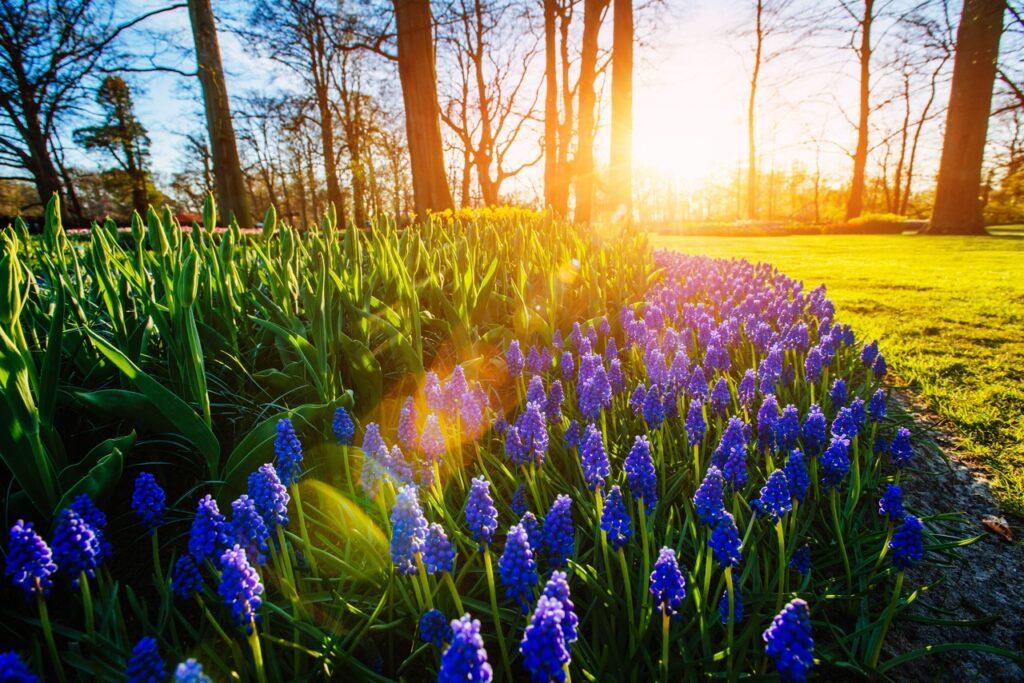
pixel 705 481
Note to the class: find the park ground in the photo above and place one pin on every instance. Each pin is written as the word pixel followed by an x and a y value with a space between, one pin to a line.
pixel 949 314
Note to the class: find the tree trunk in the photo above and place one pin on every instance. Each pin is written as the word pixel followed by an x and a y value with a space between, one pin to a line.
pixel 592 10
pixel 551 170
pixel 622 107
pixel 40 163
pixel 957 194
pixel 417 72
pixel 855 203
pixel 751 109
pixel 227 169
pixel 565 170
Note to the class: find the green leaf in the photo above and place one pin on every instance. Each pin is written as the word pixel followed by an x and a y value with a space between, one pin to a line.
pixel 179 413
pixel 257 447
pixel 99 481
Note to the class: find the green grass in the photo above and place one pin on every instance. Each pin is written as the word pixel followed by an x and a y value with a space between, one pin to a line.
pixel 949 312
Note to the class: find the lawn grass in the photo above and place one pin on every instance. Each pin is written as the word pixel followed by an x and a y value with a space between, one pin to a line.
pixel 949 312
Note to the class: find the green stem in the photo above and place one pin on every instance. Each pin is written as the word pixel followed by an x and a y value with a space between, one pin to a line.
pixel 877 649
pixel 629 599
pixel 302 530
pixel 839 538
pixel 157 567
pixel 257 654
pixel 731 622
pixel 44 619
pixel 497 617
pixel 454 593
pixel 90 622
pixel 663 665
pixel 782 565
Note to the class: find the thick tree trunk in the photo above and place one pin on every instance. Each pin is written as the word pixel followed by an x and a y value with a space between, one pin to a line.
pixel 560 201
pixel 957 195
pixel 592 10
pixel 751 110
pixel 855 203
pixel 323 106
pixel 418 75
pixel 551 170
pixel 622 107
pixel 232 195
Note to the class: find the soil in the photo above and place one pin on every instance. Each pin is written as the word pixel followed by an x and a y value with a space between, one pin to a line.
pixel 983 579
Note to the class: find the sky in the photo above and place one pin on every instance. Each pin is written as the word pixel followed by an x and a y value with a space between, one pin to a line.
pixel 690 93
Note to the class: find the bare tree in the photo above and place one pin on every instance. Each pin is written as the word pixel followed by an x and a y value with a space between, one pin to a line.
pixel 418 73
pixel 622 106
pixel 492 104
pixel 50 51
pixel 957 205
pixel 593 14
pixel 232 197
pixel 863 13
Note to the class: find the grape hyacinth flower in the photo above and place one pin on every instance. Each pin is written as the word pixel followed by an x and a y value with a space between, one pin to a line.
pixel 398 466
pixel 879 368
pixel 737 603
pixel 788 641
pixel 838 393
pixel 148 502
pixel 145 665
pixel 813 365
pixel 248 530
pixel 567 365
pixel 288 450
pixel 408 436
pixel 432 440
pixel 593 458
pixel 531 525
pixel 518 503
pixel 438 554
pixel 481 515
pixel 695 425
pixel 94 517
pixel 75 547
pixel 835 463
pixel 900 449
pixel 572 435
pixel 640 473
pixel 814 431
pixel 514 359
pixel 535 391
pixel 435 629
pixel 432 390
pixel 869 353
pixel 747 389
pixel 891 503
pixel 186 579
pixel 29 561
pixel 721 396
pixel 845 424
pixel 558 534
pixel 787 429
pixel 796 475
pixel 615 520
pixel 516 451
pixel 545 654
pixel 372 441
pixel 343 427
pixel 876 406
pixel 553 406
pixel 725 542
pixel 557 588
pixel 801 560
pixel 697 387
pixel 906 544
pixel 190 671
pixel 408 530
pixel 637 399
pixel 269 496
pixel 209 530
pixel 708 500
pixel 653 409
pixel 533 431
pixel 517 568
pixel 767 415
pixel 240 588
pixel 731 454
pixel 775 500
pixel 465 659
pixel 668 586
pixel 14 670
